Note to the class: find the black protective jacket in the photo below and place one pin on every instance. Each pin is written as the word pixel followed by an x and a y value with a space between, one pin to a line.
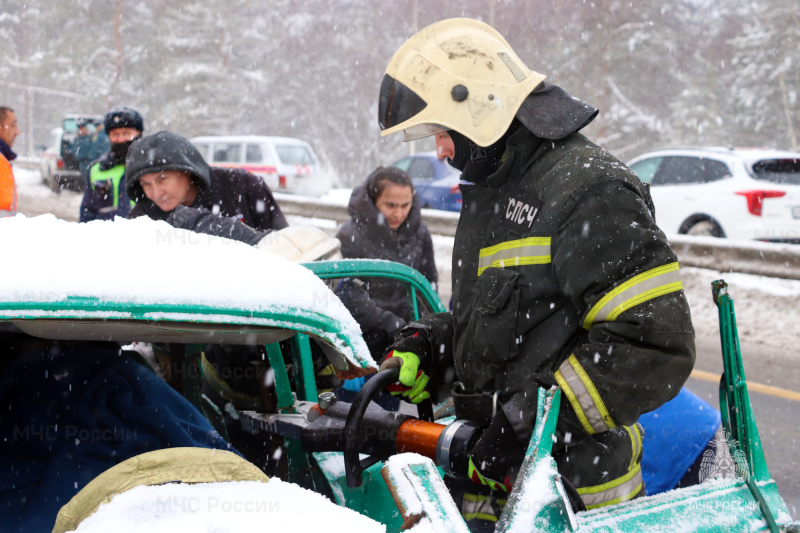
pixel 561 276
pixel 379 303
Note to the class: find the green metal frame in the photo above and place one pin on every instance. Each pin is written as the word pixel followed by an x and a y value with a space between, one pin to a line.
pixel 302 321
pixel 286 317
pixel 348 268
pixel 306 387
pixel 738 419
pixel 304 368
pixel 283 387
pixel 373 497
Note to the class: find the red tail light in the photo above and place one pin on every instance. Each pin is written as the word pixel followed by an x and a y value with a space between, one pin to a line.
pixel 756 198
pixel 454 189
pixel 282 182
pixel 59 163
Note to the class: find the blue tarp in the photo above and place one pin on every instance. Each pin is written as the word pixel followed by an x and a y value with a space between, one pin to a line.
pixel 70 411
pixel 675 435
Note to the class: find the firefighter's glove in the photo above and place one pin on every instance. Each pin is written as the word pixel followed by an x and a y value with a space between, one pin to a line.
pixel 412 380
pixel 497 455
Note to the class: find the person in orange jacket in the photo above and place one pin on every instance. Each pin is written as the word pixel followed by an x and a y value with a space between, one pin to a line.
pixel 8 189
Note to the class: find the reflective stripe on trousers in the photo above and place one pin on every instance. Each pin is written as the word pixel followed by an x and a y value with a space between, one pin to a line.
pixel 481 506
pixel 622 489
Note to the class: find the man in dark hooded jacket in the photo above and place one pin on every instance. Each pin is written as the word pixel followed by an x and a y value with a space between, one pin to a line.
pixel 560 275
pixel 165 171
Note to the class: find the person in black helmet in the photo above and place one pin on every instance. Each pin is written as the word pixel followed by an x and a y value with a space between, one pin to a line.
pixel 560 275
pixel 105 194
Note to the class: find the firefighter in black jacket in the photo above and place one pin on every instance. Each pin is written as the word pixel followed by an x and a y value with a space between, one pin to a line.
pixel 560 274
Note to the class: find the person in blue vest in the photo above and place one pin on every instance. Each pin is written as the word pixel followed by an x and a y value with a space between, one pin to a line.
pixel 105 195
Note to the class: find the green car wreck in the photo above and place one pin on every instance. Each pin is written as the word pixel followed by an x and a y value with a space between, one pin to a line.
pixel 182 292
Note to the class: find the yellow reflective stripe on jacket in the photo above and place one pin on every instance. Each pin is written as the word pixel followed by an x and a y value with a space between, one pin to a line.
pixel 622 489
pixel 636 443
pixel 583 397
pixel 528 251
pixel 113 174
pixel 645 286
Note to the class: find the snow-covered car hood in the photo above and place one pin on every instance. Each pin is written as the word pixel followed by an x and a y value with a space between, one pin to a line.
pixel 143 270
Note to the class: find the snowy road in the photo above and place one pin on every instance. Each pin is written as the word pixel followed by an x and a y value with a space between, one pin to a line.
pixel 767 317
pixel 36 199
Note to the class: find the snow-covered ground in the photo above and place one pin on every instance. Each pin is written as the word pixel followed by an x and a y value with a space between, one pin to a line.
pixel 36 199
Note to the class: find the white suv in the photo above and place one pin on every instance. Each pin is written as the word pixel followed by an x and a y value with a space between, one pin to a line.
pixel 749 194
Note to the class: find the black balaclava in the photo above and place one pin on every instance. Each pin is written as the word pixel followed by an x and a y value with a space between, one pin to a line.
pixel 121 117
pixel 119 151
pixel 475 162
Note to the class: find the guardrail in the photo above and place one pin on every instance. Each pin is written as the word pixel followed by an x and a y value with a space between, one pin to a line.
pixel 28 162
pixel 747 257
pixel 439 222
pixel 759 258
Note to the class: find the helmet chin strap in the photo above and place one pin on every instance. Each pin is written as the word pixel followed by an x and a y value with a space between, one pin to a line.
pixel 462 150
pixel 475 162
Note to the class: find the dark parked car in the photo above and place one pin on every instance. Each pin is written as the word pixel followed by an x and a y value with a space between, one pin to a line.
pixel 436 182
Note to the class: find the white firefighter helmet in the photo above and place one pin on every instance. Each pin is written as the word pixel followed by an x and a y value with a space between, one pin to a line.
pixel 457 74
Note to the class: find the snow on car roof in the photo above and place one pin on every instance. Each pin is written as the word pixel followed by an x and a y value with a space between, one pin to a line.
pixel 745 153
pixel 141 262
pixel 225 506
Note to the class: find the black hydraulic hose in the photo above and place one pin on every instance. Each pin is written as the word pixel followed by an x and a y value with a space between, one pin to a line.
pixel 353 434
pixel 425 410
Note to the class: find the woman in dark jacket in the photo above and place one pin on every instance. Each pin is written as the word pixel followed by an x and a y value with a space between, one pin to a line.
pixel 386 223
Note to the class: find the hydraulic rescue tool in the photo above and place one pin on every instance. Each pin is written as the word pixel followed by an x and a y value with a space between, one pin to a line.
pixel 364 427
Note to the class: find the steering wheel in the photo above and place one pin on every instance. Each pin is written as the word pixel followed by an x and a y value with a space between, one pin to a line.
pixel 353 430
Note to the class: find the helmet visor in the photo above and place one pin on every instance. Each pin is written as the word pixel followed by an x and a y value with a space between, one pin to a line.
pixel 422 130
pixel 397 103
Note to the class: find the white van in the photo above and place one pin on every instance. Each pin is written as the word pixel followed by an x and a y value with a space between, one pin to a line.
pixel 284 163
